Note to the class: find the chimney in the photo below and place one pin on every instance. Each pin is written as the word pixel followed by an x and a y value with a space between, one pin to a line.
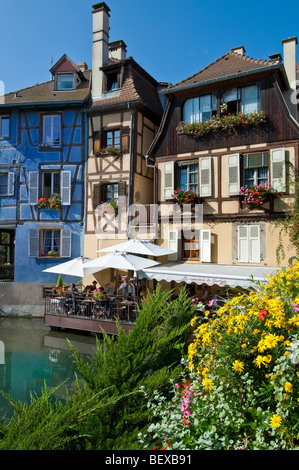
pixel 100 46
pixel 117 50
pixel 239 50
pixel 290 65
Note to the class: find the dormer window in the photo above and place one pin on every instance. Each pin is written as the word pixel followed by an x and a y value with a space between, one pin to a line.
pixel 65 81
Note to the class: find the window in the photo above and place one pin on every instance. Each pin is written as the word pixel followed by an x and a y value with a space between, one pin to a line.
pixel 6 184
pixel 46 242
pixel 51 242
pixel 249 246
pixel 112 138
pixel 188 176
pixel 195 245
pixel 255 168
pixel 65 81
pixel 51 131
pixel 50 184
pixel 245 100
pixel 112 81
pixel 200 109
pixel 4 126
pixel 191 246
pixel 112 192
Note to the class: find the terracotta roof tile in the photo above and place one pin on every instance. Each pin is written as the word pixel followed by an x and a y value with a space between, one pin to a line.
pixel 137 85
pixel 44 93
pixel 229 64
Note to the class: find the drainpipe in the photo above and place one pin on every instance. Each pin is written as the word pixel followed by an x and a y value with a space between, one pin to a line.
pixel 130 167
pixel 85 178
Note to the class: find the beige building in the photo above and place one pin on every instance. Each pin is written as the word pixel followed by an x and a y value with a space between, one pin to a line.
pixel 231 125
pixel 123 120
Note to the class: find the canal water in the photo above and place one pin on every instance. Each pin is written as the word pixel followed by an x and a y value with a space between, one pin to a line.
pixel 31 354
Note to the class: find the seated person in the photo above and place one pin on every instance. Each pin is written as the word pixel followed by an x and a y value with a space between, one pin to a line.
pixel 109 289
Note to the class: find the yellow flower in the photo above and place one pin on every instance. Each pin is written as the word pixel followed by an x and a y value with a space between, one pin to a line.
pixel 260 360
pixel 244 345
pixel 288 387
pixel 275 421
pixel 208 384
pixel 238 366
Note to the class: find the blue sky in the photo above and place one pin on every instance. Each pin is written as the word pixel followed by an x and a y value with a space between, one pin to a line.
pixel 170 39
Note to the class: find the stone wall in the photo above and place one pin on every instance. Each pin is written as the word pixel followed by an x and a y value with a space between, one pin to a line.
pixel 21 299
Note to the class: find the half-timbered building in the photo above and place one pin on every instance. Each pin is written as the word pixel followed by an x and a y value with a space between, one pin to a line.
pixel 42 170
pixel 123 119
pixel 232 125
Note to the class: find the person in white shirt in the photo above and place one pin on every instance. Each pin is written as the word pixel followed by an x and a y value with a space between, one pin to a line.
pixel 126 287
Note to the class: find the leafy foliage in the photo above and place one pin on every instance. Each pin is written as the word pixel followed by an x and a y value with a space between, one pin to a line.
pixel 149 356
pixel 240 387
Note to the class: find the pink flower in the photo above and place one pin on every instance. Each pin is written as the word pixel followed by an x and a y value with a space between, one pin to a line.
pixel 296 307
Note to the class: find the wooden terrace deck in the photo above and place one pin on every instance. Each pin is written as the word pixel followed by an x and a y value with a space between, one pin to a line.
pixel 89 315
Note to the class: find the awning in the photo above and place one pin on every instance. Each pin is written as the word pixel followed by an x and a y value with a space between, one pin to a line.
pixel 210 274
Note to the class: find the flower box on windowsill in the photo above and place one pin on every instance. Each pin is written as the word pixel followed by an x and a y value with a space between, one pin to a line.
pixel 111 151
pixel 257 197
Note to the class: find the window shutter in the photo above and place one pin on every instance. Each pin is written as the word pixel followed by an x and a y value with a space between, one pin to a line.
pixel 125 139
pixel 97 142
pixel 254 244
pixel 65 249
pixel 173 244
pixel 233 173
pixel 205 246
pixel 33 243
pixel 33 187
pixel 66 188
pixel 11 181
pixel 168 171
pixel 243 255
pixel 122 188
pixel 205 177
pixel 249 244
pixel 278 169
pixel 95 195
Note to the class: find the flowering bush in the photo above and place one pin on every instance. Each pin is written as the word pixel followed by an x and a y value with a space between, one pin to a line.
pixel 98 294
pixel 181 196
pixel 241 387
pixel 257 194
pixel 113 151
pixel 52 203
pixel 223 123
pixel 108 207
pixel 43 203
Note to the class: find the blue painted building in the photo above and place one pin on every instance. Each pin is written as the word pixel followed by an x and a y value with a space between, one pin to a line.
pixel 42 174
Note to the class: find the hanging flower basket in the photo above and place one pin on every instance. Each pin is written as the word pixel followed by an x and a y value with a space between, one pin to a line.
pixel 257 195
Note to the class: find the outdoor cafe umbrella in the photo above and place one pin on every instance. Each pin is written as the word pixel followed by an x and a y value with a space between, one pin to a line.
pixel 123 261
pixel 118 260
pixel 75 267
pixel 140 247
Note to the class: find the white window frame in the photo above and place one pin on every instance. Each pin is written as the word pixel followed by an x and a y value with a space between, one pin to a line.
pixel 10 183
pixel 36 241
pixel 51 143
pixel 63 75
pixel 189 172
pixel 194 107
